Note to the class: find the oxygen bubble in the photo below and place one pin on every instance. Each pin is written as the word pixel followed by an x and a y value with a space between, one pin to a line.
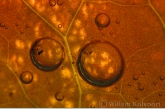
pixel 116 87
pixel 143 73
pixel 59 96
pixel 47 54
pixel 139 83
pixel 136 98
pixel 16 24
pixel 27 26
pixel 2 24
pixel 102 20
pixel 111 33
pixel 26 77
pixel 100 28
pixel 52 2
pixel 21 31
pixel 135 77
pixel 59 26
pixel 154 82
pixel 141 87
pixel 60 2
pixel 160 94
pixel 103 34
pixel 162 77
pixel 117 21
pixel 129 84
pixel 6 27
pixel 100 63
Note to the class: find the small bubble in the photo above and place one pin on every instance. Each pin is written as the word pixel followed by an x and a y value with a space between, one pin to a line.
pixel 111 33
pixel 103 34
pixel 52 2
pixel 141 87
pixel 59 96
pixel 135 77
pixel 100 28
pixel 62 68
pixel 26 77
pixel 129 84
pixel 27 26
pixel 154 82
pixel 136 98
pixel 6 27
pixel 116 87
pixel 139 83
pixel 117 21
pixel 92 106
pixel 143 73
pixel 60 2
pixel 59 26
pixel 21 31
pixel 160 94
pixel 2 24
pixel 162 77
pixel 102 20
pixel 16 24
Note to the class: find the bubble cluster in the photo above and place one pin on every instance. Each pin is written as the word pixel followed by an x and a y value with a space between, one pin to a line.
pixel 26 77
pixel 100 63
pixel 47 54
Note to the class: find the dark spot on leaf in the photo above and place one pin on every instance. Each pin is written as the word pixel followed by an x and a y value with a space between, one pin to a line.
pixel 40 52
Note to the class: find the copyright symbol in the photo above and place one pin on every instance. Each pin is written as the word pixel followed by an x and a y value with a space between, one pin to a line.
pixel 102 103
